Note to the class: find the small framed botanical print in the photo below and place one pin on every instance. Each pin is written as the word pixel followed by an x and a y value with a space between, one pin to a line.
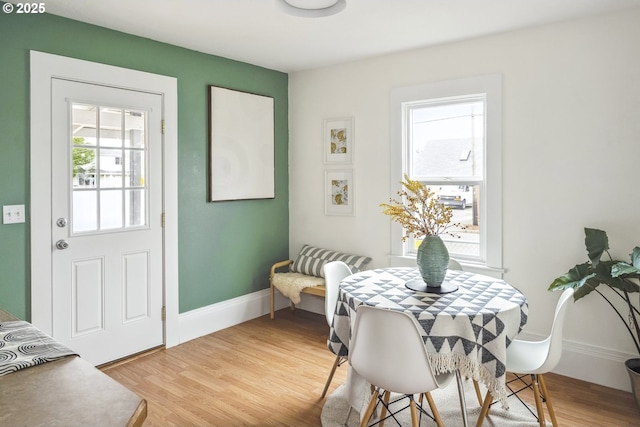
pixel 339 192
pixel 338 140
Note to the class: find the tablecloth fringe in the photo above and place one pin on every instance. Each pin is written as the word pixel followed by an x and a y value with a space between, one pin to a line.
pixel 470 369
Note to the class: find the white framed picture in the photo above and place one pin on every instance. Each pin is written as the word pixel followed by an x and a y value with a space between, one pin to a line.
pixel 338 140
pixel 339 192
pixel 241 145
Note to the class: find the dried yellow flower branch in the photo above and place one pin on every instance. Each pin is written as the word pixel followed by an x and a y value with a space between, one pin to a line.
pixel 420 213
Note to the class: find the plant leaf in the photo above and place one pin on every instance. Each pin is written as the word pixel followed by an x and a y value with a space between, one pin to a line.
pixel 576 278
pixel 596 242
pixel 635 257
pixel 588 284
pixel 623 269
pixel 605 274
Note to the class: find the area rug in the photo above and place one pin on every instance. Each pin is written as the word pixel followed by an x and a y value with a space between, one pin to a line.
pixel 334 411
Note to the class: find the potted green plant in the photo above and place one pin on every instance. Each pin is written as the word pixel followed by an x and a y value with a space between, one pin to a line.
pixel 621 277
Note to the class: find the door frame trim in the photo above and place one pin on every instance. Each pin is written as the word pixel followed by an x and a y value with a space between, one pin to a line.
pixel 43 68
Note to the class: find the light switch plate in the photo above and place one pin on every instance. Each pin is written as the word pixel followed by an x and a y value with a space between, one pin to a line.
pixel 12 214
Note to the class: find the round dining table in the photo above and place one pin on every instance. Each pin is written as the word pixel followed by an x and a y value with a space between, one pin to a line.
pixel 466 331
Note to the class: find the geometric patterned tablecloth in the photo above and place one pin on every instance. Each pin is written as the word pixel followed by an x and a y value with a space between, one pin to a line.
pixel 468 329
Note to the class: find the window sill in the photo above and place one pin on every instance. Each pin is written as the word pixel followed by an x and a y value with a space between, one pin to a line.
pixel 474 267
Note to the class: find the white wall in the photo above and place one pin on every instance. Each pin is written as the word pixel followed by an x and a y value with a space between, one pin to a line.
pixel 571 135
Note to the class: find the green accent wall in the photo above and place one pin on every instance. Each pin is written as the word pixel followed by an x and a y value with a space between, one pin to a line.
pixel 226 248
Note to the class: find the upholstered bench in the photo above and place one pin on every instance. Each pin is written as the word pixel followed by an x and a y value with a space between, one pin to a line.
pixel 306 273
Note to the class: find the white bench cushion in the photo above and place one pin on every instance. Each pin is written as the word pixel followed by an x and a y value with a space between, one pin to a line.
pixel 291 284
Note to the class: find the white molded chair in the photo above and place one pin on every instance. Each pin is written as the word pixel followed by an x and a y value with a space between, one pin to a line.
pixel 454 265
pixel 334 272
pixel 536 358
pixel 388 351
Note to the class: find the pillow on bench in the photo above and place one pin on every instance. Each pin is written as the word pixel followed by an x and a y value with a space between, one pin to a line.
pixel 311 261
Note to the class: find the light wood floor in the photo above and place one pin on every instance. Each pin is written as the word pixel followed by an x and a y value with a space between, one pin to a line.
pixel 271 373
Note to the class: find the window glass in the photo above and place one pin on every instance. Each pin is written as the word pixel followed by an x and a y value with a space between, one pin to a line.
pixel 111 209
pixel 445 143
pixel 85 204
pixel 111 127
pixel 134 213
pixel 446 139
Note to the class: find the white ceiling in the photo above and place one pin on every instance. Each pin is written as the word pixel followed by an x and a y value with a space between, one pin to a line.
pixel 260 32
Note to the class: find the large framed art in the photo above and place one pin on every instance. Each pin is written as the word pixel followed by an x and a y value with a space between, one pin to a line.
pixel 241 145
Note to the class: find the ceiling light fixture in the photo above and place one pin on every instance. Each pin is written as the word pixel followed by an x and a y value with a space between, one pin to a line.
pixel 313 8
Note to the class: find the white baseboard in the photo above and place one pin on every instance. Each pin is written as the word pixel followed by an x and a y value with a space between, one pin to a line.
pixel 589 363
pixel 585 362
pixel 206 320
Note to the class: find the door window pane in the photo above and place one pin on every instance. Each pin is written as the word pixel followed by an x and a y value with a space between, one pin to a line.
pixel 110 127
pixel 109 155
pixel 84 165
pixel 85 204
pixel 83 145
pixel 110 168
pixel 110 209
pixel 85 122
pixel 134 127
pixel 134 208
pixel 134 168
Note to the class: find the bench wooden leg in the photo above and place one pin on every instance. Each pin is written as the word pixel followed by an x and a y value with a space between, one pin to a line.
pixel 272 300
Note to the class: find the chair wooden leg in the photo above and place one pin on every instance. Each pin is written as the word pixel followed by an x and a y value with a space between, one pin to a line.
pixel 476 386
pixel 373 390
pixel 536 391
pixel 547 398
pixel 383 411
pixel 485 409
pixel 414 413
pixel 370 408
pixel 434 410
pixel 333 370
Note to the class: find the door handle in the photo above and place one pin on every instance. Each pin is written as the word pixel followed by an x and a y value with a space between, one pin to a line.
pixel 62 244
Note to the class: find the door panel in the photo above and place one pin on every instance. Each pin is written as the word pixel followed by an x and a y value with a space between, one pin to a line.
pixel 106 215
pixel 136 286
pixel 87 310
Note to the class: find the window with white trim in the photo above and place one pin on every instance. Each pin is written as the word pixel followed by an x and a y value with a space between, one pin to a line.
pixel 447 135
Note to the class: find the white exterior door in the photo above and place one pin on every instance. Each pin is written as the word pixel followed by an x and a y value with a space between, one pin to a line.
pixel 106 225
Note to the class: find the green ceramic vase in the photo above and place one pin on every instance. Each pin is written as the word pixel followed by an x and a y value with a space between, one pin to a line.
pixel 432 260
